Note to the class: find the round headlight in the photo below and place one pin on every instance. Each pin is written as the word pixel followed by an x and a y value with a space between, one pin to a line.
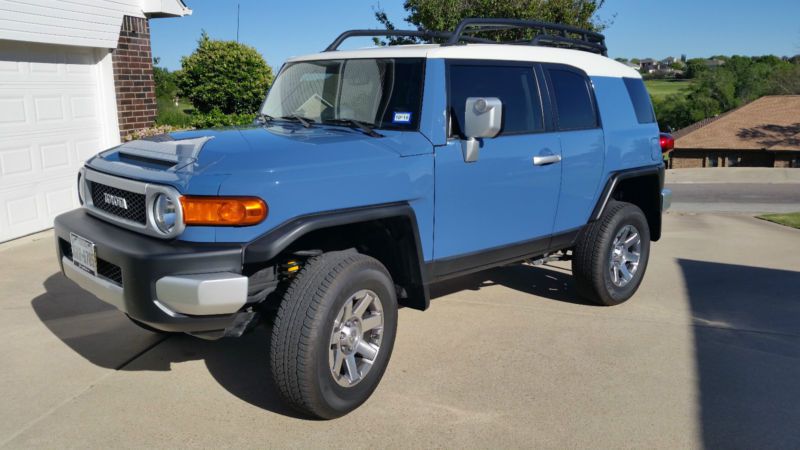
pixel 81 188
pixel 165 214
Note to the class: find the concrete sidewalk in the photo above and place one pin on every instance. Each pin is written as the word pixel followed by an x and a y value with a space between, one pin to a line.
pixel 760 175
pixel 737 190
pixel 707 354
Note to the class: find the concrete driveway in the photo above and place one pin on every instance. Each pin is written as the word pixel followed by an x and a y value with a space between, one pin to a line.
pixel 706 355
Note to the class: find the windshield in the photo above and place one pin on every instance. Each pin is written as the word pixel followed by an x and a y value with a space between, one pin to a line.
pixel 384 93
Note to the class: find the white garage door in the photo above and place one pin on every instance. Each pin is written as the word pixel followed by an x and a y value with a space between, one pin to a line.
pixel 56 110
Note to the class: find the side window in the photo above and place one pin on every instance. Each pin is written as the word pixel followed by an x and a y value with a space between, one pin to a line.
pixel 515 86
pixel 574 104
pixel 640 99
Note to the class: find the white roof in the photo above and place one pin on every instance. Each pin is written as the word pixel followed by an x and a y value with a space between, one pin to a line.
pixel 591 63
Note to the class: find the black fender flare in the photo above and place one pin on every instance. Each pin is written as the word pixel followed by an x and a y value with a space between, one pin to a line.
pixel 272 243
pixel 614 180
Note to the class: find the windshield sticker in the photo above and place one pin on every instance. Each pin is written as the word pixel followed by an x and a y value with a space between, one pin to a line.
pixel 402 117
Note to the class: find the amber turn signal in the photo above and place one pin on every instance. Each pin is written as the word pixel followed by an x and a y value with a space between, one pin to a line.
pixel 225 211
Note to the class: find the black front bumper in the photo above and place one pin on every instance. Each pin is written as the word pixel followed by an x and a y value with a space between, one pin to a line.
pixel 143 260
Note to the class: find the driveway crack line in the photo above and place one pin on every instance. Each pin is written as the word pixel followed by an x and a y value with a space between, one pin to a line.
pixel 70 399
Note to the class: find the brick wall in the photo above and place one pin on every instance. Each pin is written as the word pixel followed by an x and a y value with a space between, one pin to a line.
pixel 788 159
pixel 133 76
pixel 685 159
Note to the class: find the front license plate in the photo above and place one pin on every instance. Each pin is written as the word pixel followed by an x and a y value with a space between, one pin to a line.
pixel 83 253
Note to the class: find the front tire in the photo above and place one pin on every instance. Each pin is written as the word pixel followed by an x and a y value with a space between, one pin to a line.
pixel 611 255
pixel 334 333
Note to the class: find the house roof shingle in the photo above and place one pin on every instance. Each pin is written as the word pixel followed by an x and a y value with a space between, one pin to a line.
pixel 769 123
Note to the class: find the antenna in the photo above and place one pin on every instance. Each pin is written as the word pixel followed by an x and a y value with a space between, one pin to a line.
pixel 238 8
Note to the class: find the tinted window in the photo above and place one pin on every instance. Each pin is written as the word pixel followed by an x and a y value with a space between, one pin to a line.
pixel 515 86
pixel 574 105
pixel 640 99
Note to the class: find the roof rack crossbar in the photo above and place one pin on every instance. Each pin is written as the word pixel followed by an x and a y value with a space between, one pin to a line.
pixel 550 33
pixel 560 41
pixel 421 34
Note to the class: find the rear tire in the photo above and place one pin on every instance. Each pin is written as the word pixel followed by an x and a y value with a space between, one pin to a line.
pixel 334 333
pixel 611 255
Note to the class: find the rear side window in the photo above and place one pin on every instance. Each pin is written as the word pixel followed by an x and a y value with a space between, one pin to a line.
pixel 574 103
pixel 515 86
pixel 640 99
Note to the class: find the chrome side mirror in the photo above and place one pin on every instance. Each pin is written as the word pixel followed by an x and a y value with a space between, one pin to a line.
pixel 483 118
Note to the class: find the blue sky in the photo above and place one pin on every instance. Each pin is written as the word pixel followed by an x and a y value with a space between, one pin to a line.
pixel 640 28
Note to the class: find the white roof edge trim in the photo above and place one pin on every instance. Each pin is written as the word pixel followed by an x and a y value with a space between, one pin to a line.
pixel 593 64
pixel 165 8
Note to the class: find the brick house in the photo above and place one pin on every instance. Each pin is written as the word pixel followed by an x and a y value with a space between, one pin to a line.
pixel 763 133
pixel 75 76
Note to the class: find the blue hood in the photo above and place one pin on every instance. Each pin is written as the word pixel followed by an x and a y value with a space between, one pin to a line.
pixel 266 149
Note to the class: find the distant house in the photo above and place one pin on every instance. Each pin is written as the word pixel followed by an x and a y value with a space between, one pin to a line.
pixel 764 133
pixel 651 66
pixel 648 65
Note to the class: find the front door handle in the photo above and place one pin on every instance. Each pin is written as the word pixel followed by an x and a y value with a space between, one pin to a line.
pixel 546 159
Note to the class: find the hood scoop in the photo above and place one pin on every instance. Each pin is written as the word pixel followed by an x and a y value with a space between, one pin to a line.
pixel 162 152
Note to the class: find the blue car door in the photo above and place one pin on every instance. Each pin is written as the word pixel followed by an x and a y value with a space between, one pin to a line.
pixel 505 202
pixel 582 144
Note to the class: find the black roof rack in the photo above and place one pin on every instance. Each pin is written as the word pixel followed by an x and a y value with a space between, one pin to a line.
pixel 421 34
pixel 549 34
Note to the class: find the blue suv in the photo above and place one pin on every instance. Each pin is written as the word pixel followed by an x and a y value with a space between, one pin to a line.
pixel 370 175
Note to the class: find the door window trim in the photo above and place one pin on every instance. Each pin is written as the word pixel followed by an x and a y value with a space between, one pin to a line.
pixel 544 96
pixel 546 67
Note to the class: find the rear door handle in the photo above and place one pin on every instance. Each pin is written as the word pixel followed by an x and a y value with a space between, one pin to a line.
pixel 546 159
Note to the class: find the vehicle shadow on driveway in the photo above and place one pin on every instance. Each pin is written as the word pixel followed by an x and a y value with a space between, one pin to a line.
pixel 547 282
pixel 747 350
pixel 102 335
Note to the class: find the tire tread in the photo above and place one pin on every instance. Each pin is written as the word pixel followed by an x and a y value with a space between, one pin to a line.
pixel 589 254
pixel 298 322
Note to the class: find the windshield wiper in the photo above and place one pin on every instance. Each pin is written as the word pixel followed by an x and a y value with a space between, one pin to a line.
pixel 306 122
pixel 353 123
pixel 265 118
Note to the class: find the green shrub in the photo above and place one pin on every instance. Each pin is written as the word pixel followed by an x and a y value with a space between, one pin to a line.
pixel 169 114
pixel 224 75
pixel 216 118
pixel 165 81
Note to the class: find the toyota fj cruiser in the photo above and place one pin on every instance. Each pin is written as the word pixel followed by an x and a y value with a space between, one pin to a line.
pixel 370 175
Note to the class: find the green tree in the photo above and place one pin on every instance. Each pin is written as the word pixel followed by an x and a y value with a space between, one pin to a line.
pixel 444 15
pixel 716 90
pixel 695 67
pixel 165 81
pixel 785 80
pixel 224 75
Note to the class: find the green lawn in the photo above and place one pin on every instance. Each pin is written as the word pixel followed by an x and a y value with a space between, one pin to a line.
pixel 663 88
pixel 169 114
pixel 790 220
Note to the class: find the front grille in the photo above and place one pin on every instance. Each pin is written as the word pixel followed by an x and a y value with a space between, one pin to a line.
pixel 66 248
pixel 136 211
pixel 112 272
pixel 105 269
